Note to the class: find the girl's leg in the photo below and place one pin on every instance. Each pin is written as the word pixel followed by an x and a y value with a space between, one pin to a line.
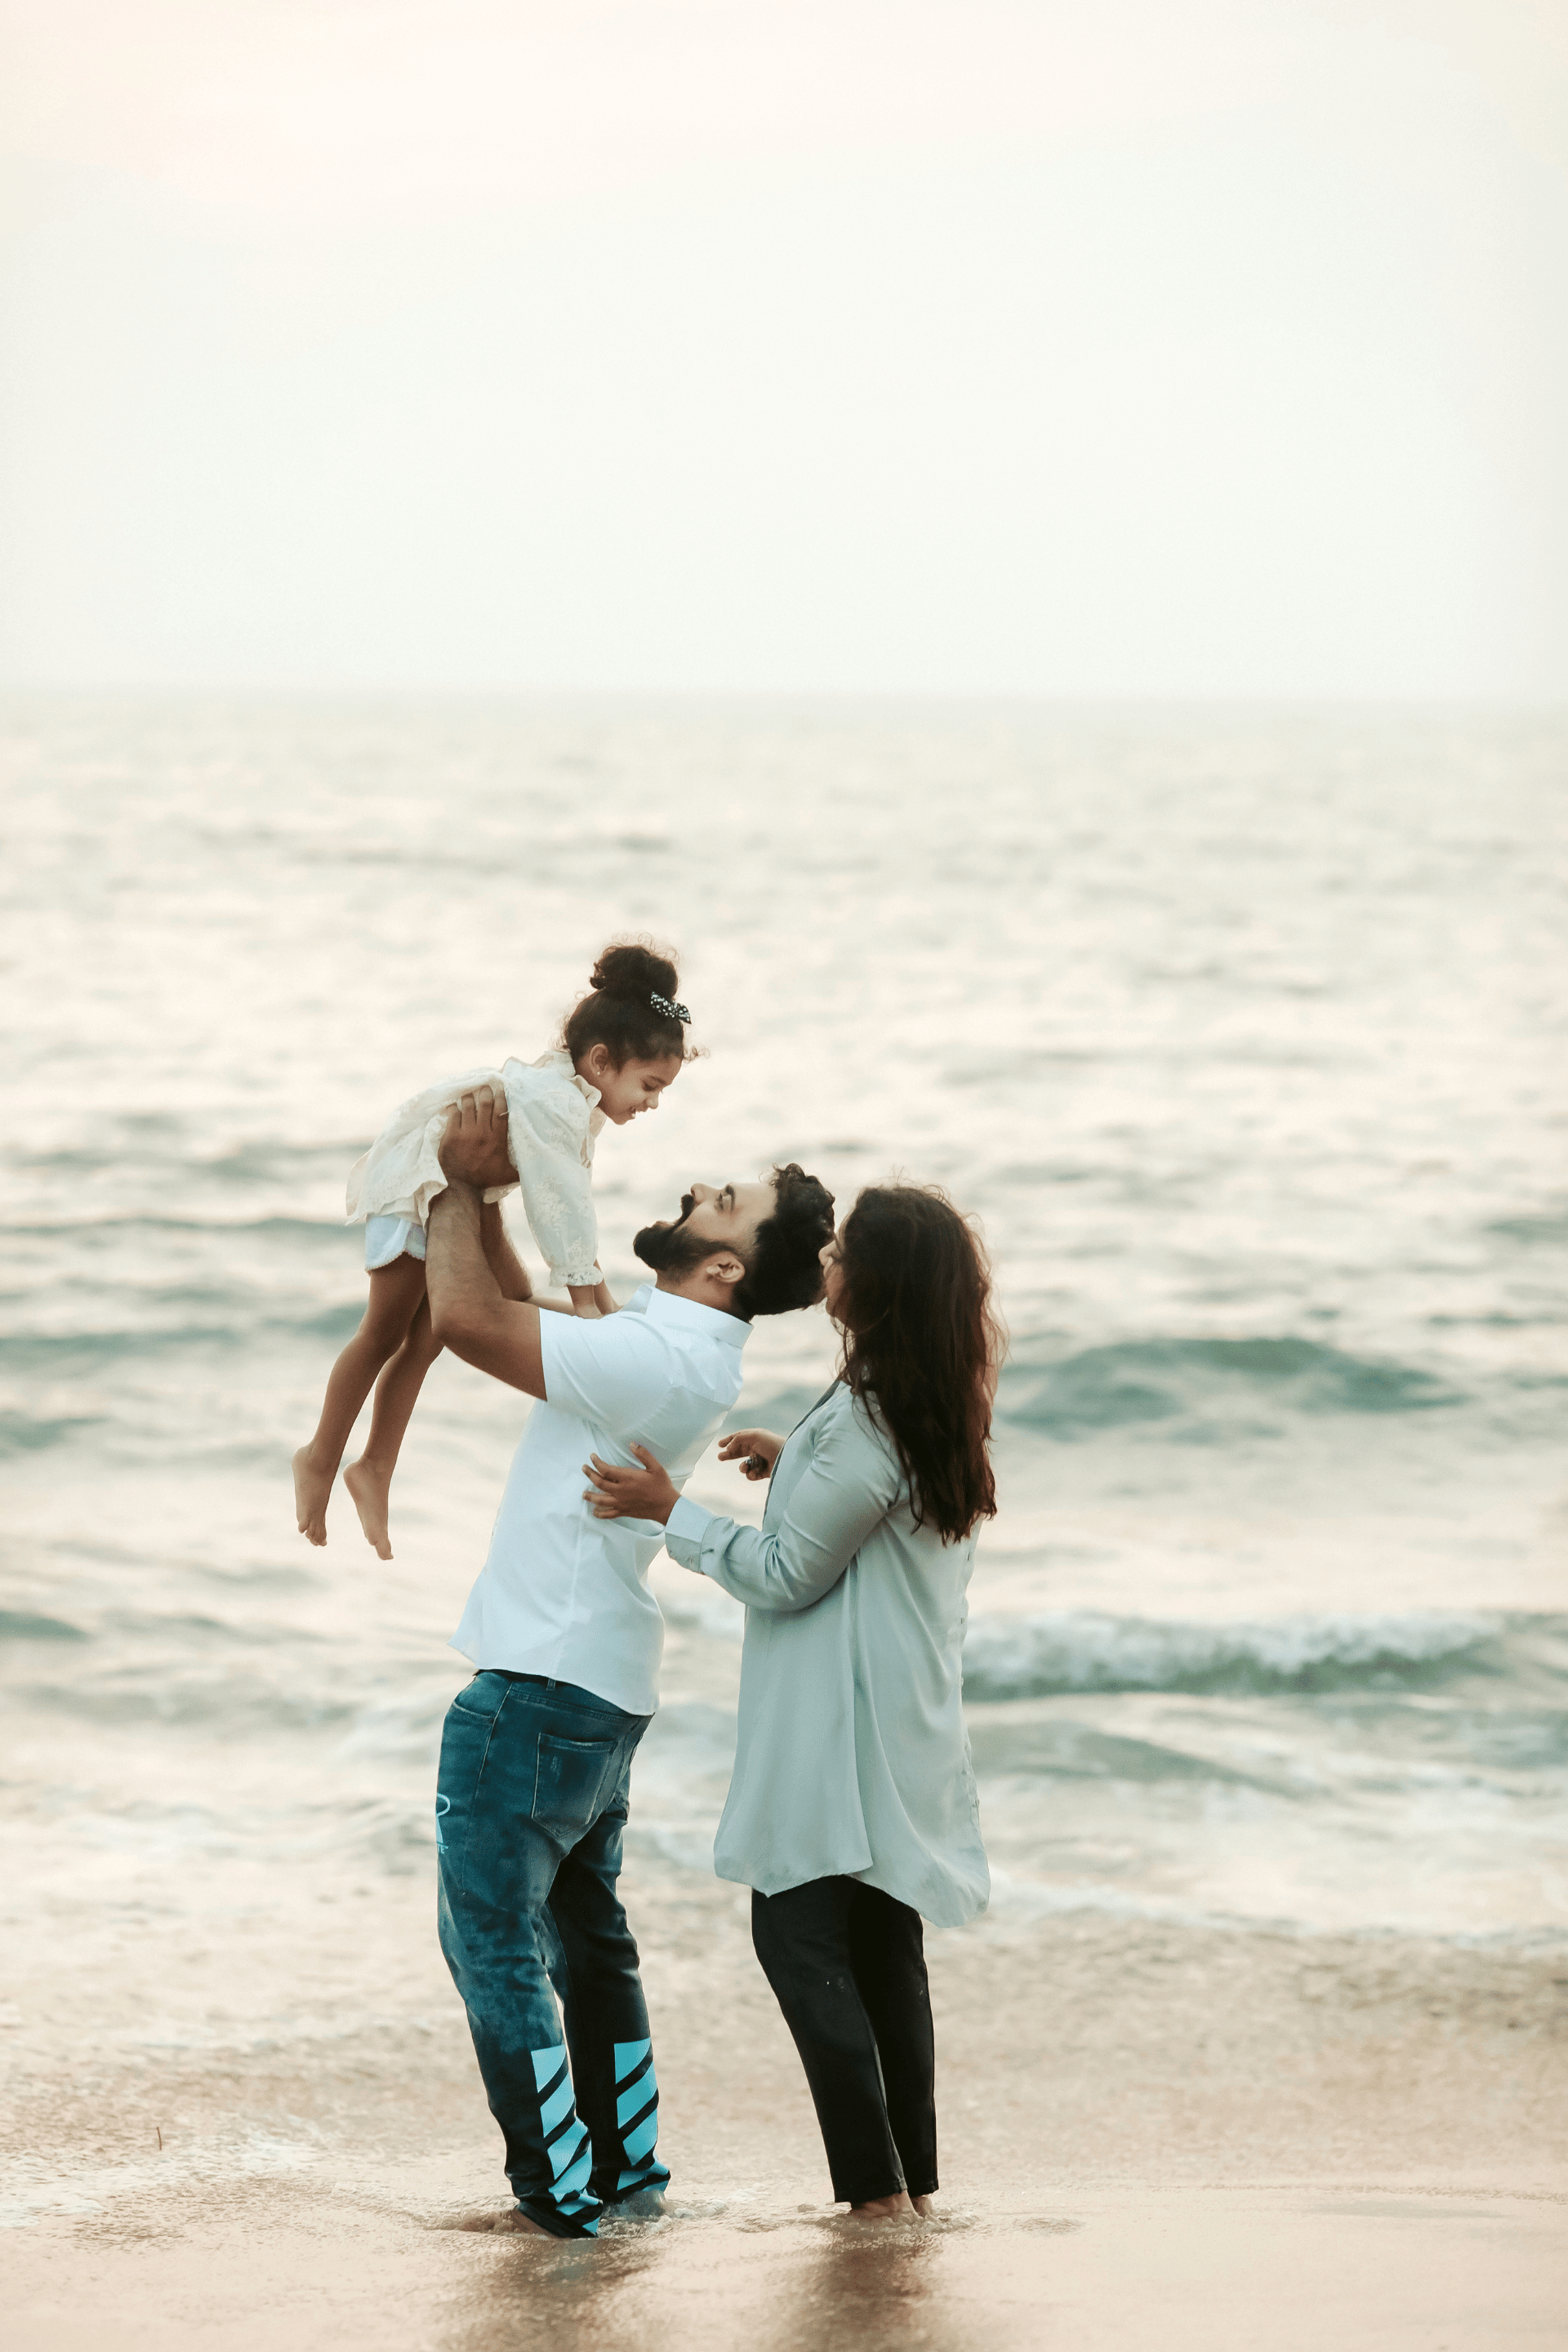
pixel 802 1938
pixel 396 1293
pixel 369 1479
pixel 887 1953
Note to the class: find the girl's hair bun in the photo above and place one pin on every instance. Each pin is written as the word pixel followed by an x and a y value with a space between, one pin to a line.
pixel 619 1011
pixel 637 969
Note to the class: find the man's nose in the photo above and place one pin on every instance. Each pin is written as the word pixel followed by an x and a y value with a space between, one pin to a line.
pixel 702 1192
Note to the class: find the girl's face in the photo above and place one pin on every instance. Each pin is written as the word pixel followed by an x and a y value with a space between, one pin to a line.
pixel 625 1093
pixel 832 1258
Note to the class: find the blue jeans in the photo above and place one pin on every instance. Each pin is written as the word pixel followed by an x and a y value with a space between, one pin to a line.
pixel 529 1808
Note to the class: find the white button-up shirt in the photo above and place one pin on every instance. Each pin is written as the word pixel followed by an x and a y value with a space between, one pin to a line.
pixel 563 1593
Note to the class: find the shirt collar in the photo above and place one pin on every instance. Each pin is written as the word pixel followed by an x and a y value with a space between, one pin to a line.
pixel 667 1307
pixel 563 1063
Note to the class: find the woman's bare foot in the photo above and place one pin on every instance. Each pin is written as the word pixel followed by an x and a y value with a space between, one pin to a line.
pixel 312 1485
pixel 370 1487
pixel 883 2209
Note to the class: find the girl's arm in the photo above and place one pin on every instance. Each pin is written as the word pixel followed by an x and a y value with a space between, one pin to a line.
pixel 557 1189
pixel 594 1301
pixel 849 1490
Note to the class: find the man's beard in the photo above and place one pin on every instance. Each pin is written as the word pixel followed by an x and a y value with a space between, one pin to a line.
pixel 673 1249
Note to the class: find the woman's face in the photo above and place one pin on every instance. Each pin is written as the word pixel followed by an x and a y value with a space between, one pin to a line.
pixel 832 1260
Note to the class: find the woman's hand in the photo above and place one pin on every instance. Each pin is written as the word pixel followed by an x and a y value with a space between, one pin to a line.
pixel 649 1492
pixel 756 1450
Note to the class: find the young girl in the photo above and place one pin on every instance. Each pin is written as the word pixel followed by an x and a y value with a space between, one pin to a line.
pixel 622 1046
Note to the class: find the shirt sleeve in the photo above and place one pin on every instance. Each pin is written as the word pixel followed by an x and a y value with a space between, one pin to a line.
pixel 606 1368
pixel 546 1132
pixel 850 1487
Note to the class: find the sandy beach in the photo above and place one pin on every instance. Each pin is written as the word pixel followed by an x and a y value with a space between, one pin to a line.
pixel 1151 2138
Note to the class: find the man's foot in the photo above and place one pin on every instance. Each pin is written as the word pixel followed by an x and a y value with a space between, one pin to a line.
pixel 370 1487
pixel 641 2205
pixel 883 2209
pixel 513 2222
pixel 311 1487
pixel 924 2207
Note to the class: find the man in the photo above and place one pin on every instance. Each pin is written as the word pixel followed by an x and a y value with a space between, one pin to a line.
pixel 536 1752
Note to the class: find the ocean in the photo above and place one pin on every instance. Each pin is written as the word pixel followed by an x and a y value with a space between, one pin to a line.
pixel 1241 1032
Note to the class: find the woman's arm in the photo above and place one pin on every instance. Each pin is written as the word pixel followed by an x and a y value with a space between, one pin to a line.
pixel 849 1489
pixel 756 1450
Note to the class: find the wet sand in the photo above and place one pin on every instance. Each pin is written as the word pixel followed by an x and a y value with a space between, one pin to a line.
pixel 1151 2137
pixel 1203 2268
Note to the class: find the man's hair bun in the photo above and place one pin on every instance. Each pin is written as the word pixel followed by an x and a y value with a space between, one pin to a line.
pixel 637 969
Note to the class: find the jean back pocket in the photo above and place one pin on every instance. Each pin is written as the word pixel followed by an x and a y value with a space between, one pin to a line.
pixel 568 1780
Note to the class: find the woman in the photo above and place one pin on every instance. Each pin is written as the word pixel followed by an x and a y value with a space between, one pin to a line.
pixel 853 1810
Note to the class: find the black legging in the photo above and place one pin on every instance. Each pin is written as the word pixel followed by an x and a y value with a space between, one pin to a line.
pixel 848 1964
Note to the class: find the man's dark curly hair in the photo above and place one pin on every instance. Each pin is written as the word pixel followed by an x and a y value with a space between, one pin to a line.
pixel 785 1270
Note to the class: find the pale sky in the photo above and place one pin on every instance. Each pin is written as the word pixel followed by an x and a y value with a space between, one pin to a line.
pixel 1145 347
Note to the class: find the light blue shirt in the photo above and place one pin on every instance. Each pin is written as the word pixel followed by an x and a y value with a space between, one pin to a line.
pixel 852 1756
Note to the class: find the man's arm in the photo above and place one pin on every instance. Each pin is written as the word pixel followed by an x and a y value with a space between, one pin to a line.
pixel 468 1313
pixel 508 1268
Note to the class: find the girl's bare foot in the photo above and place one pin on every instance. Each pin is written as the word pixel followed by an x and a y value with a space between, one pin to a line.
pixel 312 1485
pixel 370 1487
pixel 883 2209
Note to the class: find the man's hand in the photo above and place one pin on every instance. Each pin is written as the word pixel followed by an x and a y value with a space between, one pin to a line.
pixel 473 1148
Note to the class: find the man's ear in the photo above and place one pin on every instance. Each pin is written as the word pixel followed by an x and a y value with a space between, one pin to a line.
pixel 725 1266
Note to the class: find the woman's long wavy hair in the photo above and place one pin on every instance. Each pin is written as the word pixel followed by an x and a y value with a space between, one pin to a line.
pixel 923 1344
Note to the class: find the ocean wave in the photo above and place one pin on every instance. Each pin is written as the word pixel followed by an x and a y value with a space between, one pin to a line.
pixel 1096 1388
pixel 131 1144
pixel 26 1433
pixel 27 1625
pixel 221 1229
pixel 237 1704
pixel 1057 1654
pixel 1060 1748
pixel 65 1354
pixel 1139 1380
pixel 1542 1228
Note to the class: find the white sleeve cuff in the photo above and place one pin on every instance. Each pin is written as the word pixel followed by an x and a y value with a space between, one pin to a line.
pixel 684 1531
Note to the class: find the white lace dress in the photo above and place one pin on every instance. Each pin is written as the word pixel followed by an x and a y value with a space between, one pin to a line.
pixel 553 1118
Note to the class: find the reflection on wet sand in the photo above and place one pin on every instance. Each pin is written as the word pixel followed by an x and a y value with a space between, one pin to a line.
pixel 769 2286
pixel 1194 2270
